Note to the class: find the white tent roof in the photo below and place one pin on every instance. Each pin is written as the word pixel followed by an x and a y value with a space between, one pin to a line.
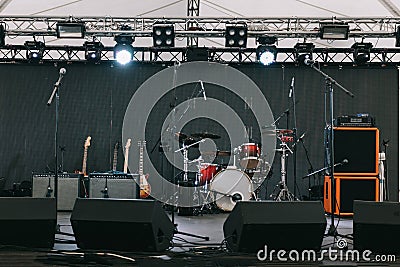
pixel 208 8
pixel 215 8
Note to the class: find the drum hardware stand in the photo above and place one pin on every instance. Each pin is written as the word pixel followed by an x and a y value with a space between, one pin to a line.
pixel 329 82
pixel 284 193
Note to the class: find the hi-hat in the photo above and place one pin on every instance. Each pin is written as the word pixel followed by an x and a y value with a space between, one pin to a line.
pixel 206 135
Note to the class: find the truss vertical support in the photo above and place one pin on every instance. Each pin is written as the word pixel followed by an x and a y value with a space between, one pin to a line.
pixel 193 10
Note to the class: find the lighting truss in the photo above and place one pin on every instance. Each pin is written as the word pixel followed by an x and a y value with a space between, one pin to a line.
pixel 285 27
pixel 325 56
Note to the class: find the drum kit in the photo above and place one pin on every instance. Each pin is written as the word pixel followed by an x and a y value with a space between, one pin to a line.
pixel 220 184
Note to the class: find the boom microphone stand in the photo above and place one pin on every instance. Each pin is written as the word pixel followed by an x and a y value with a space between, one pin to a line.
pixel 55 93
pixel 329 82
pixel 171 130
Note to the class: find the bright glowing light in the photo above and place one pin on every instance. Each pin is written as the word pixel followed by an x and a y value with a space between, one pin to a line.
pixel 267 58
pixel 123 56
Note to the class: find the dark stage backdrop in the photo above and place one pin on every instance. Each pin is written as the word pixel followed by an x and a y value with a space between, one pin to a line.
pixel 93 99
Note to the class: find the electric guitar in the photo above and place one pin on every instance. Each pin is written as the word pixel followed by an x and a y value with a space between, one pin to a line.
pixel 145 188
pixel 116 146
pixel 127 146
pixel 85 153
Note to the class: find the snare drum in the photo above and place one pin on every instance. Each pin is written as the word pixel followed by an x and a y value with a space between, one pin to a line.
pixel 207 172
pixel 249 155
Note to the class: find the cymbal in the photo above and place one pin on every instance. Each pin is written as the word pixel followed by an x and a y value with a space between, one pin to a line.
pixel 206 135
pixel 217 153
pixel 184 138
pixel 284 131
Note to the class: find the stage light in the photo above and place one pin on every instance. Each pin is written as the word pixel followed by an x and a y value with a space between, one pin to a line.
pixel 236 35
pixel 2 35
pixel 361 53
pixel 266 52
pixel 163 35
pixel 93 51
pixel 123 50
pixel 334 31
pixel 34 51
pixel 70 30
pixel 397 34
pixel 303 53
pixel 266 55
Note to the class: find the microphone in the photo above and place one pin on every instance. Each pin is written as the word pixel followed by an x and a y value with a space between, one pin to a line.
pixel 345 161
pixel 62 73
pixel 308 61
pixel 202 89
pixel 299 139
pixel 291 87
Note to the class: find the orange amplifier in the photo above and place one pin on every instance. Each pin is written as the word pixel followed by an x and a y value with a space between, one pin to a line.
pixel 348 189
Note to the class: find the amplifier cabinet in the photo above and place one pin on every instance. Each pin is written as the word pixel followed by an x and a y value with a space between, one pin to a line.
pixel 68 188
pixel 348 189
pixel 123 186
pixel 360 146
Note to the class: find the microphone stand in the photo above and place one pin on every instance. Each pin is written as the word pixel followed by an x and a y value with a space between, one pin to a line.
pixel 56 95
pixel 171 130
pixel 329 82
pixel 294 138
pixel 105 190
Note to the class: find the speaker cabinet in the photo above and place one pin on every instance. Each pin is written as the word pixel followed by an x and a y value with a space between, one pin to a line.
pixel 360 146
pixel 118 185
pixel 68 188
pixel 278 225
pixel 28 222
pixel 121 224
pixel 348 189
pixel 376 226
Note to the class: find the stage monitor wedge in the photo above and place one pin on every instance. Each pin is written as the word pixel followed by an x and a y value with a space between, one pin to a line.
pixel 28 222
pixel 252 225
pixel 376 226
pixel 121 225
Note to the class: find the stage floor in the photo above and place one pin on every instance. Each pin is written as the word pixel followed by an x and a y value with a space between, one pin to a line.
pixel 187 251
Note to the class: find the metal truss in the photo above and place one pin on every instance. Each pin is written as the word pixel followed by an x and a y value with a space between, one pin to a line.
pixel 201 27
pixel 326 56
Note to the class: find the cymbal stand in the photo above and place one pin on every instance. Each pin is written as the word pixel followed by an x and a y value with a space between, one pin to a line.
pixel 284 193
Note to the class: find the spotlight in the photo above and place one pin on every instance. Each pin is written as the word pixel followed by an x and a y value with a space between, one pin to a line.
pixel 303 52
pixel 397 34
pixel 70 30
pixel 266 55
pixel 236 35
pixel 123 50
pixel 93 51
pixel 34 52
pixel 266 52
pixel 163 35
pixel 2 35
pixel 334 31
pixel 361 53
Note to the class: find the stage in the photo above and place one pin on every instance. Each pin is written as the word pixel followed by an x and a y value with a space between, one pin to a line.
pixel 186 251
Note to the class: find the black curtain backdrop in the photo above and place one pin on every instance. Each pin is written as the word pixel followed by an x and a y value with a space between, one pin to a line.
pixel 93 99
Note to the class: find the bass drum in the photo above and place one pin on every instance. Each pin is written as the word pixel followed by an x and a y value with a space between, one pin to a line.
pixel 230 186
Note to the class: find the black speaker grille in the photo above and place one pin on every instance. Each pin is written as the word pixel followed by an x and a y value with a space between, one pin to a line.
pixel 359 148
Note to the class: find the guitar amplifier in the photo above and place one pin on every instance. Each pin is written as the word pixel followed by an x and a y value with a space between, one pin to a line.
pixel 68 188
pixel 119 185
